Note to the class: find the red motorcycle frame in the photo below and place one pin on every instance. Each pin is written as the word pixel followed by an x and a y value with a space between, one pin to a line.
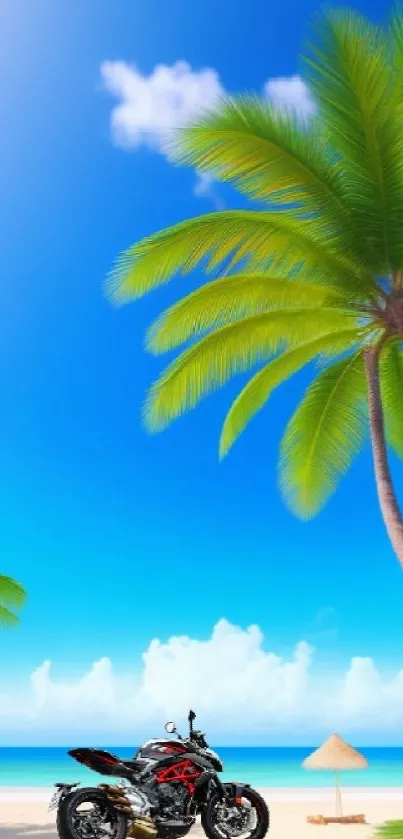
pixel 184 772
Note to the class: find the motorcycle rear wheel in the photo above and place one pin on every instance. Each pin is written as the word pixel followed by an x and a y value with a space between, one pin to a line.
pixel 216 826
pixel 100 822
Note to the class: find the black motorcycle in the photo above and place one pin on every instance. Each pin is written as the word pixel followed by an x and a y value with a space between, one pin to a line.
pixel 163 789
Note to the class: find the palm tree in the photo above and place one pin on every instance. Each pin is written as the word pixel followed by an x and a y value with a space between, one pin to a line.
pixel 313 271
pixel 12 597
pixel 390 830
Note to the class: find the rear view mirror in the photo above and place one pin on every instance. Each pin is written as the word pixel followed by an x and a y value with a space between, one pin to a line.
pixel 170 728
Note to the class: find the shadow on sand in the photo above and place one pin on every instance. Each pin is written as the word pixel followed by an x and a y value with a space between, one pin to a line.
pixel 20 831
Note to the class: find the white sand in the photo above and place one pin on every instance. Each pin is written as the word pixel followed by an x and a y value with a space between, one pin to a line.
pixel 24 813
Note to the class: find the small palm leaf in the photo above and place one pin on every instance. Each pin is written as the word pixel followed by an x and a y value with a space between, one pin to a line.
pixel 235 348
pixel 390 830
pixel 326 431
pixel 235 237
pixel 230 299
pixel 12 596
pixel 260 387
pixel 391 375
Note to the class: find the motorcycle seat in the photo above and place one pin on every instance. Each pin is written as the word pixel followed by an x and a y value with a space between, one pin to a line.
pixel 134 765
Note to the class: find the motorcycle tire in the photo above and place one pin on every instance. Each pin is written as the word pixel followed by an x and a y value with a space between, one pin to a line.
pixel 68 805
pixel 257 802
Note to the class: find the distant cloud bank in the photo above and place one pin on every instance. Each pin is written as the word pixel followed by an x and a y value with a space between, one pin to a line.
pixel 150 108
pixel 242 693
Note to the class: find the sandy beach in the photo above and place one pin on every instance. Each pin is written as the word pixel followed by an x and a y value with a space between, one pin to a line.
pixel 24 812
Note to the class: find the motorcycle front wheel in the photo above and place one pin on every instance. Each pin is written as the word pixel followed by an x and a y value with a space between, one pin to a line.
pixel 86 814
pixel 247 817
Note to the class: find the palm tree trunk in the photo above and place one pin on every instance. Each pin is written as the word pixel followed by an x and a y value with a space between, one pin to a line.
pixel 386 493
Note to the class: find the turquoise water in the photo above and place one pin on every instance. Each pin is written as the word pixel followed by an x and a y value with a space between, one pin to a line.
pixel 268 767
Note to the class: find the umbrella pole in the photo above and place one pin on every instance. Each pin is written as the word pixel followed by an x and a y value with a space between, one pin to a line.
pixel 338 796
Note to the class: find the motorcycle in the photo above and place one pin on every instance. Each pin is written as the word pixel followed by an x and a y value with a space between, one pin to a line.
pixel 167 784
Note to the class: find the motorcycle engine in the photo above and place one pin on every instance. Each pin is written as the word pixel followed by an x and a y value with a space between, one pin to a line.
pixel 138 800
pixel 172 800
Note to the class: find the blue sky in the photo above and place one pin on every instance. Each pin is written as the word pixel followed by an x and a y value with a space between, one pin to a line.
pixel 120 537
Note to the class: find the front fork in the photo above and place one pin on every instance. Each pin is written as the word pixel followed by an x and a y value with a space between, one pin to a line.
pixel 233 792
pixel 229 792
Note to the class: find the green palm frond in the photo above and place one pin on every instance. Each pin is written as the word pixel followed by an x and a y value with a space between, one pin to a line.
pixel 12 597
pixel 11 592
pixel 7 618
pixel 267 155
pixel 259 389
pixel 396 37
pixel 259 239
pixel 349 72
pixel 390 830
pixel 232 298
pixel 315 274
pixel 391 376
pixel 324 434
pixel 232 349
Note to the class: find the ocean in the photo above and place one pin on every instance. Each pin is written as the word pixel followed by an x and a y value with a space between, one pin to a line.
pixel 261 767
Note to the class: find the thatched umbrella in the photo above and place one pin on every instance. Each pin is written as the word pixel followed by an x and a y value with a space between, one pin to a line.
pixel 337 756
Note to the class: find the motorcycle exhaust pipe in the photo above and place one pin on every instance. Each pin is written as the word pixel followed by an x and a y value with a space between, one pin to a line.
pixel 142 827
pixel 117 799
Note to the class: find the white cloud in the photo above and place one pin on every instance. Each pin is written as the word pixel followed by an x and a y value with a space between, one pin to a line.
pixel 205 187
pixel 151 107
pixel 242 693
pixel 290 93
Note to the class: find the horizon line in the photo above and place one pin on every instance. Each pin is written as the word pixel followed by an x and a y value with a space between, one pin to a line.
pixel 226 746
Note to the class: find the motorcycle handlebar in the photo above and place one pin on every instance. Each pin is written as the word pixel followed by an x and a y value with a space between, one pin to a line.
pixel 198 738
